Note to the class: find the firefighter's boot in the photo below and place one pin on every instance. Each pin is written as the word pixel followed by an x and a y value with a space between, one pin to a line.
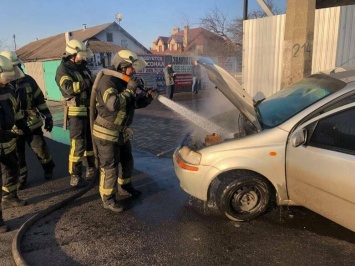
pixel 90 172
pixel 22 182
pixel 3 227
pixel 110 203
pixel 76 181
pixel 12 200
pixel 48 170
pixel 128 188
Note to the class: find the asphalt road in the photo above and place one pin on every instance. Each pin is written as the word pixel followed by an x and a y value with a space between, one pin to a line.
pixel 165 226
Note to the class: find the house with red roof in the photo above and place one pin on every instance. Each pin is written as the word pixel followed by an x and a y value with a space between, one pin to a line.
pixel 190 42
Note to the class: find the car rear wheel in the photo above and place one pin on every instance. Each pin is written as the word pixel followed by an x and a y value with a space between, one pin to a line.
pixel 243 196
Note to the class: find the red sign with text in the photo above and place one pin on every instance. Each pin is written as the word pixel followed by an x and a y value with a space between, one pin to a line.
pixel 183 80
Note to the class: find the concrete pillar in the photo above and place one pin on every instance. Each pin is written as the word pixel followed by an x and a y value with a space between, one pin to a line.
pixel 298 42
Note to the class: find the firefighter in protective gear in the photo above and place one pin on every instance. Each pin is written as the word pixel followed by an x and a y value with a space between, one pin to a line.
pixel 9 117
pixel 32 104
pixel 75 83
pixel 116 100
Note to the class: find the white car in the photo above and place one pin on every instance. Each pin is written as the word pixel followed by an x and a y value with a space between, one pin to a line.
pixel 296 147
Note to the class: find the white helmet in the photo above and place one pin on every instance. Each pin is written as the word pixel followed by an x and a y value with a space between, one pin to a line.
pixel 78 48
pixel 126 58
pixel 7 72
pixel 12 56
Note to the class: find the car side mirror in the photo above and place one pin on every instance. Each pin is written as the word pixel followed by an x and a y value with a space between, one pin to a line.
pixel 299 138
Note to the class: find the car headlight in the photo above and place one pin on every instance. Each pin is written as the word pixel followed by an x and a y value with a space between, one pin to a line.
pixel 190 156
pixel 187 159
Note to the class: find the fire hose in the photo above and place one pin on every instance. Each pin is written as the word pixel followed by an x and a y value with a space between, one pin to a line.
pixel 16 249
pixel 16 242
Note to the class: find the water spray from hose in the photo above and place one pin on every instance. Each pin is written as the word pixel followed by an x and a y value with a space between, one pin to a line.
pixel 195 118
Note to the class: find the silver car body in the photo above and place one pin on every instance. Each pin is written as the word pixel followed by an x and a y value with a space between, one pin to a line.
pixel 319 179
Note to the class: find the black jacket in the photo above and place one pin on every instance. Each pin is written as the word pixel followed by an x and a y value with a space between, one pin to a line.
pixel 116 104
pixel 10 115
pixel 75 83
pixel 30 100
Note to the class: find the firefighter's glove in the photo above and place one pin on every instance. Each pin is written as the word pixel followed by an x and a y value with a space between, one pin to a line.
pixel 133 84
pixel 48 124
pixel 153 93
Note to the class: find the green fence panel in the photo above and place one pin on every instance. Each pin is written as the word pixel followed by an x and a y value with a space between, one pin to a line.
pixel 60 135
pixel 50 68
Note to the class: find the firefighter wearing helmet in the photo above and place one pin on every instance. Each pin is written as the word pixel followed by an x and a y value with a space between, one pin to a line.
pixel 9 118
pixel 75 82
pixel 32 104
pixel 116 100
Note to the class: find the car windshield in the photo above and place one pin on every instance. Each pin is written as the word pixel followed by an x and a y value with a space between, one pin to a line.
pixel 293 99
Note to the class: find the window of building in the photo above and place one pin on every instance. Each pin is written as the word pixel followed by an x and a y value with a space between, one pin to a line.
pixel 109 37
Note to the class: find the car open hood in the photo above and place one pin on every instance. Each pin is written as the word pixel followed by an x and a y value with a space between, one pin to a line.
pixel 230 87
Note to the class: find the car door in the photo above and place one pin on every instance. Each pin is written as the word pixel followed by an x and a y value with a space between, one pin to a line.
pixel 321 172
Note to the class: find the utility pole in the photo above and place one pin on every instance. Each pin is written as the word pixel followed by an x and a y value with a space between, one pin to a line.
pixel 245 10
pixel 14 41
pixel 298 40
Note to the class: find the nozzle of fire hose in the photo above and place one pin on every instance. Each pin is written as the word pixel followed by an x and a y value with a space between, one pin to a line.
pixel 153 93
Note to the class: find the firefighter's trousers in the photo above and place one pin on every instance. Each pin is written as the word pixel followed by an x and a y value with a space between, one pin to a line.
pixel 110 154
pixel 80 144
pixel 9 172
pixel 39 147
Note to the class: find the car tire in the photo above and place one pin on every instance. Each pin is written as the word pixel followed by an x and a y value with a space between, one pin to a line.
pixel 243 196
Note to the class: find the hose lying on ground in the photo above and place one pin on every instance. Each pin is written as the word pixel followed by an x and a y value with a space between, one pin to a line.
pixel 16 249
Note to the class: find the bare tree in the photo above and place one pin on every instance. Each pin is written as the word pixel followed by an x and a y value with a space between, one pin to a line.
pixel 235 31
pixel 232 30
pixel 215 21
pixel 260 14
pixel 2 42
pixel 186 19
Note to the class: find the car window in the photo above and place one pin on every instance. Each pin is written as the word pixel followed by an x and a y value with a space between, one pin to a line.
pixel 336 132
pixel 293 99
pixel 345 99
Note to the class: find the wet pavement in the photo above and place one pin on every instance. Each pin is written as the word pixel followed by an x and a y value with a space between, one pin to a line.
pixel 165 226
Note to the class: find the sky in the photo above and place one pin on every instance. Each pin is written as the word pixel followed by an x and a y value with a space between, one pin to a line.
pixel 145 20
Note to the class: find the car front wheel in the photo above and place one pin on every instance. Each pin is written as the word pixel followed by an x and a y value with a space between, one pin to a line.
pixel 243 196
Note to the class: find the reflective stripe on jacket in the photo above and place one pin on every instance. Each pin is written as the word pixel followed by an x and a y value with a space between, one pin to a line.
pixel 75 83
pixel 9 114
pixel 116 105
pixel 30 100
pixel 113 101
